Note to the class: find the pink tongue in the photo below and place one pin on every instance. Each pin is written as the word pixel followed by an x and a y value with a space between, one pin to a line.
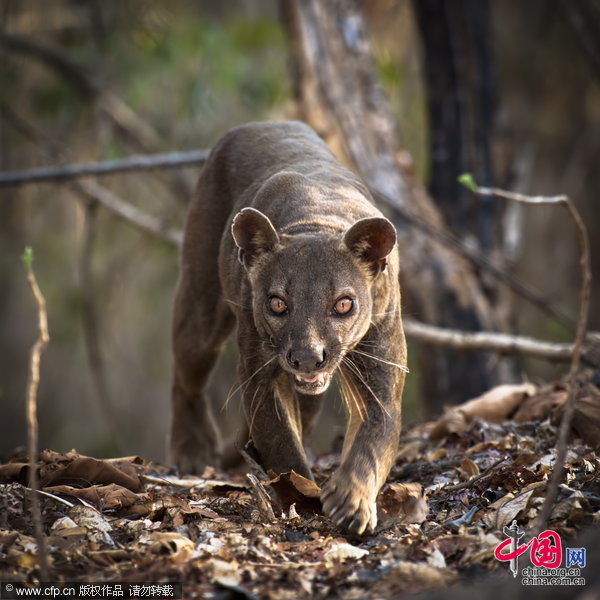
pixel 312 379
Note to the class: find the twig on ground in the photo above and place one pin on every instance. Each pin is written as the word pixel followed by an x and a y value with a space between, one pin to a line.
pixel 584 304
pixel 31 410
pixel 54 497
pixel 263 501
pixel 475 479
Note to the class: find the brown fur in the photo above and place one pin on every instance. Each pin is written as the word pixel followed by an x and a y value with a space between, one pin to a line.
pixel 279 226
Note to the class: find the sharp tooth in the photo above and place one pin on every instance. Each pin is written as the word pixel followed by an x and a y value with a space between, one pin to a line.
pixel 318 378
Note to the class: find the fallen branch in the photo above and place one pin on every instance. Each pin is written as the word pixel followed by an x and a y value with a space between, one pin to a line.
pixel 467 484
pixel 584 305
pixel 31 410
pixel 263 501
pixel 169 160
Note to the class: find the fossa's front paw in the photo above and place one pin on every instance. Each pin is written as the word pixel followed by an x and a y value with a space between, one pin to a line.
pixel 350 503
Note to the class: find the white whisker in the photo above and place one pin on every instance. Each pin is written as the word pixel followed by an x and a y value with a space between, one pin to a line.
pixel 359 375
pixel 253 410
pixel 382 360
pixel 245 383
pixel 348 395
pixel 234 303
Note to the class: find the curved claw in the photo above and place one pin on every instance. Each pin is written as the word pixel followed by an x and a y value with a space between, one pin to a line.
pixel 351 507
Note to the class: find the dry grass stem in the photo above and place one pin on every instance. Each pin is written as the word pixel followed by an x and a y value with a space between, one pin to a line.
pixel 582 319
pixel 31 410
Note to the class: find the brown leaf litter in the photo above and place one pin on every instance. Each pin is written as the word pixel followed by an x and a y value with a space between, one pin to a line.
pixel 455 486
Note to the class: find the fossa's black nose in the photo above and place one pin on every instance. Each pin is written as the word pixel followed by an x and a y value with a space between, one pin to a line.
pixel 307 360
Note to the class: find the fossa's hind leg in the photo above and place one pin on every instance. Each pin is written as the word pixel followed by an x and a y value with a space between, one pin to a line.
pixel 202 321
pixel 198 336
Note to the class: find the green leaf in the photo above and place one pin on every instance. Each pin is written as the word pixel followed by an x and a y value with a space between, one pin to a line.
pixel 467 180
pixel 27 257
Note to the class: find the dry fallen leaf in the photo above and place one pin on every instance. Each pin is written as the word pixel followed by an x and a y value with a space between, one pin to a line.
pixel 420 573
pixel 84 471
pixel 169 543
pixel 410 451
pixel 21 551
pixel 225 573
pixel 110 557
pixel 98 528
pixel 102 496
pixel 494 406
pixel 468 468
pixel 340 551
pixel 292 488
pixel 539 406
pixel 586 418
pixel 502 512
pixel 14 471
pixel 401 503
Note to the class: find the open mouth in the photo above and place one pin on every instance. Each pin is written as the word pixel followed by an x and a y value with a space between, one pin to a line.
pixel 312 383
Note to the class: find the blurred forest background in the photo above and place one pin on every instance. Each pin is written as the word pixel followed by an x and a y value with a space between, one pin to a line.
pixel 90 80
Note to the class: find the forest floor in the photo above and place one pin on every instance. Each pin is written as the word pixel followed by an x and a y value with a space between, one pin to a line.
pixel 457 488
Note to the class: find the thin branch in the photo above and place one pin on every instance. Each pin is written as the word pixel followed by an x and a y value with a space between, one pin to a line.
pixel 130 213
pixel 126 121
pixel 90 324
pixel 474 256
pixel 169 160
pixel 98 193
pixel 50 57
pixel 138 130
pixel 50 150
pixel 57 498
pixel 486 340
pixel 198 157
pixel 584 306
pixel 31 410
pixel 474 479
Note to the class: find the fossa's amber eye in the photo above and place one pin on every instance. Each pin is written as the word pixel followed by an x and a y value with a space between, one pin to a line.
pixel 277 306
pixel 343 306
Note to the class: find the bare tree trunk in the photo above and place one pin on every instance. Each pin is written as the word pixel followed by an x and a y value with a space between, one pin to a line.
pixel 459 75
pixel 459 80
pixel 338 94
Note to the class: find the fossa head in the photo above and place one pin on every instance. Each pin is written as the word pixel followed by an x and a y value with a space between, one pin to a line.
pixel 312 295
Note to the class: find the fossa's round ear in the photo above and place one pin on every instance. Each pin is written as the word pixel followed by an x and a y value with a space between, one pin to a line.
pixel 371 240
pixel 253 234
